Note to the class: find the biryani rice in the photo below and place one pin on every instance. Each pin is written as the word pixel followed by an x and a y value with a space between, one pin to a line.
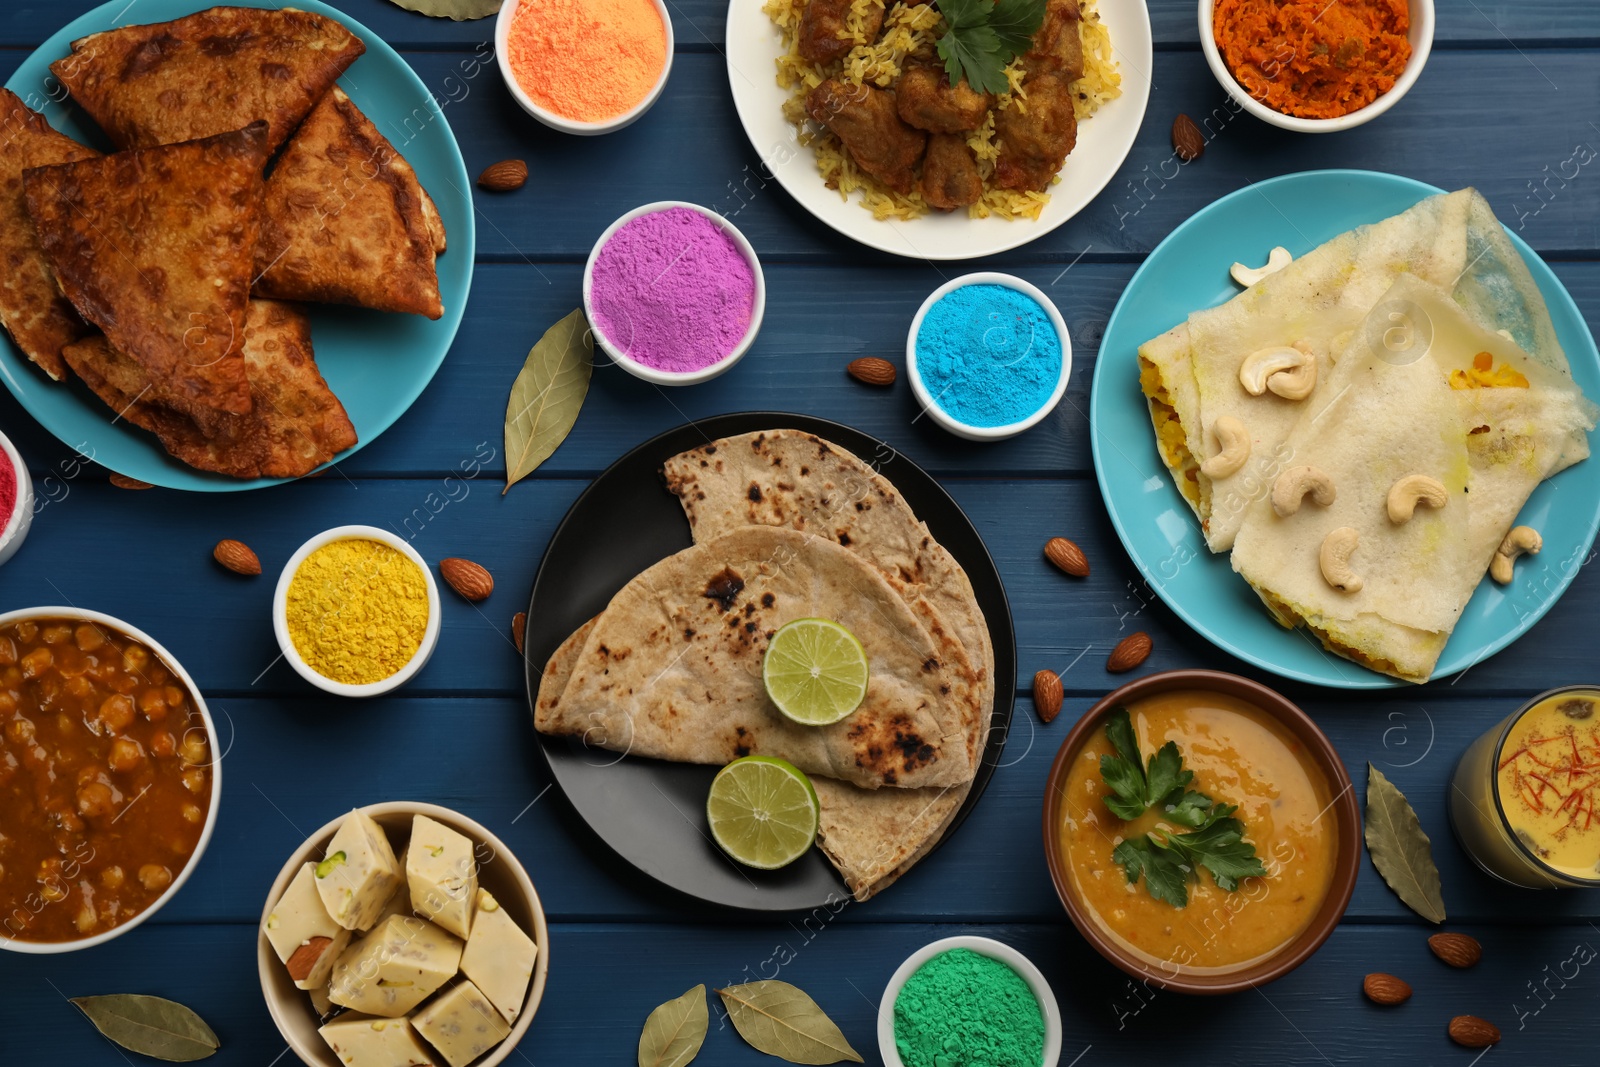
pixel 907 30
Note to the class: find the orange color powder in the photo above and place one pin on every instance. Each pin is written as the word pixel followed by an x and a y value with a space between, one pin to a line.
pixel 1315 59
pixel 587 60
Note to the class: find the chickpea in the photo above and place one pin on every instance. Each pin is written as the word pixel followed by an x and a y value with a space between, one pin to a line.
pixel 89 637
pixel 20 731
pixel 70 663
pixel 112 877
pixel 80 688
pixel 126 755
pixel 192 813
pixel 8 702
pixel 135 659
pixel 174 698
pixel 117 713
pixel 162 744
pixel 153 702
pixel 95 800
pixel 155 877
pixel 87 920
pixel 11 677
pixel 69 822
pixel 55 635
pixel 194 748
pixel 194 780
pixel 54 892
pixel 156 675
pixel 122 683
pixel 8 652
pixel 37 662
pixel 27 629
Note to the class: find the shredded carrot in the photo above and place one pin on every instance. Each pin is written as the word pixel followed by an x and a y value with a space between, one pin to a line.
pixel 588 60
pixel 1314 59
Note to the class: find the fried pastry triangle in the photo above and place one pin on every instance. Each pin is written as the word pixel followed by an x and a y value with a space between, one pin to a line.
pixel 345 220
pixel 207 73
pixel 39 319
pixel 154 247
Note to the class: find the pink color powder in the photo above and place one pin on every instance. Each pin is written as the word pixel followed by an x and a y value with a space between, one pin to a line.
pixel 8 490
pixel 672 291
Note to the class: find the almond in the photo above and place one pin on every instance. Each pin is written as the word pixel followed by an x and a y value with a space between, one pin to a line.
pixel 1383 988
pixel 1068 556
pixel 1129 653
pixel 237 557
pixel 305 958
pixel 122 481
pixel 1187 140
pixel 467 578
pixel 519 628
pixel 872 371
pixel 504 176
pixel 1458 950
pixel 1047 695
pixel 1473 1032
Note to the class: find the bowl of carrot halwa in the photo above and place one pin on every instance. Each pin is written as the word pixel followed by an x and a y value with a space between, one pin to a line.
pixel 1312 66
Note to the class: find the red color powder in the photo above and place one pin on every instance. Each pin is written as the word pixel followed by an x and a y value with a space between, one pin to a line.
pixel 587 60
pixel 8 491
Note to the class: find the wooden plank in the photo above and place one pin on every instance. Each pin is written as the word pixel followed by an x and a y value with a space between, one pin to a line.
pixel 698 24
pixel 604 981
pixel 818 319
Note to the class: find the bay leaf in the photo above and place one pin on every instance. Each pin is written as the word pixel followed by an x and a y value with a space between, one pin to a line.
pixel 781 1020
pixel 459 10
pixel 674 1032
pixel 547 396
pixel 1400 849
pixel 150 1026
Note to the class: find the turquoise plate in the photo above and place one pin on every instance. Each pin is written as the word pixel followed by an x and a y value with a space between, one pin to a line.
pixel 1188 271
pixel 377 363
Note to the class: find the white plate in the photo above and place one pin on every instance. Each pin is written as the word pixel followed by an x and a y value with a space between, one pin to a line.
pixel 754 43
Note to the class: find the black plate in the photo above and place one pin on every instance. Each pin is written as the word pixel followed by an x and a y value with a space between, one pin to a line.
pixel 652 812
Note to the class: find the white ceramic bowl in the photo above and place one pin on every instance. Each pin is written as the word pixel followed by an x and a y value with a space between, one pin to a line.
pixel 280 615
pixel 502 30
pixel 498 872
pixel 1420 35
pixel 650 374
pixel 167 660
pixel 984 947
pixel 949 421
pixel 16 527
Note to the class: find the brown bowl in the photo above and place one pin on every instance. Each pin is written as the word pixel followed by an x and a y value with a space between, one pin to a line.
pixel 1348 860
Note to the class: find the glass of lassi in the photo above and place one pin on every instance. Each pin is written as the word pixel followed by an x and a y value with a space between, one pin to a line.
pixel 1525 799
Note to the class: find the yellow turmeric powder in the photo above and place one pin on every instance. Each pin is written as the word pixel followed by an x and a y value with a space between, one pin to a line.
pixel 356 610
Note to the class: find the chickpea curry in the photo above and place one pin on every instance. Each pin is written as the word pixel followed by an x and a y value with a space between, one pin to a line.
pixel 93 725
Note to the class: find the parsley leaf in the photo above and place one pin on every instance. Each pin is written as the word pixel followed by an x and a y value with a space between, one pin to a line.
pixel 1169 861
pixel 983 36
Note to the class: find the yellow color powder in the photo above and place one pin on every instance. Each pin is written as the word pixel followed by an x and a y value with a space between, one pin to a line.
pixel 357 610
pixel 587 60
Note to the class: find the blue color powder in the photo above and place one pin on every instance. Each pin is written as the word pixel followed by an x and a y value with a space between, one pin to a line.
pixel 988 355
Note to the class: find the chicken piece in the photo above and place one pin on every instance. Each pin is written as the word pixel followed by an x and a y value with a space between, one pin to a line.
pixel 825 29
pixel 927 101
pixel 1034 144
pixel 866 122
pixel 1058 46
pixel 950 177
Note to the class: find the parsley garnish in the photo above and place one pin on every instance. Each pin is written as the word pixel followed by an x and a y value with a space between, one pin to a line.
pixel 982 37
pixel 1167 860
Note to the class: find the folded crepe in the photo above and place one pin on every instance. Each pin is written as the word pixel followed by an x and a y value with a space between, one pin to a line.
pixel 1191 374
pixel 38 318
pixel 345 220
pixel 294 425
pixel 797 480
pixel 207 73
pixel 672 667
pixel 154 247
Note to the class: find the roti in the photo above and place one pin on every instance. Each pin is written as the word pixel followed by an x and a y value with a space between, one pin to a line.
pixel 216 70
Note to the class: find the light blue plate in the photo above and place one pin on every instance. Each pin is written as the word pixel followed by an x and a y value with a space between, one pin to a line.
pixel 377 363
pixel 1188 271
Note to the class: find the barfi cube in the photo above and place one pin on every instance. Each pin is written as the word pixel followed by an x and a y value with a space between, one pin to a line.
pixel 395 967
pixel 462 1025
pixel 361 1041
pixel 442 874
pixel 499 957
pixel 400 902
pixel 301 932
pixel 359 873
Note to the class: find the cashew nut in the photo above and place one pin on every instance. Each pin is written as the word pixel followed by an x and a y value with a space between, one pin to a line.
pixel 1289 371
pixel 1233 443
pixel 1334 558
pixel 1278 259
pixel 1414 489
pixel 1293 485
pixel 1521 541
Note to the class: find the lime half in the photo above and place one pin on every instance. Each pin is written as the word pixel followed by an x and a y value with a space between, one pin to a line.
pixel 815 671
pixel 763 812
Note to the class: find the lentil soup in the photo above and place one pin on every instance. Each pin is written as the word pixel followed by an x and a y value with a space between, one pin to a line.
pixel 92 723
pixel 1240 755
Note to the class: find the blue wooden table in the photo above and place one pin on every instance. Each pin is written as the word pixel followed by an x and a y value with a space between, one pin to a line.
pixel 1507 104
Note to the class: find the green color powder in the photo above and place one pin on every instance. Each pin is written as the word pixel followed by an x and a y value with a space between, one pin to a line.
pixel 964 1009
